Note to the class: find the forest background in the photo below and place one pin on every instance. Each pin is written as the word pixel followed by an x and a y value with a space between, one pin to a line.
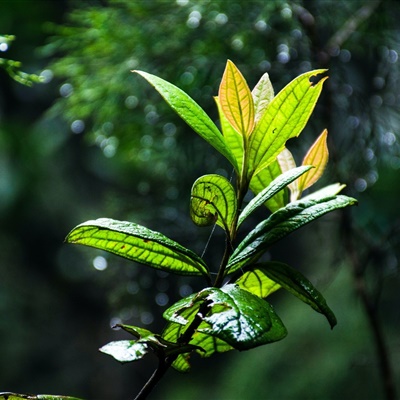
pixel 93 140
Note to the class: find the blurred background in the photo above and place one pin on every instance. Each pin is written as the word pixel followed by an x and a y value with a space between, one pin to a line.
pixel 94 140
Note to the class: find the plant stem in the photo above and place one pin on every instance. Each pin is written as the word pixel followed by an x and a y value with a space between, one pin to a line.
pixel 162 368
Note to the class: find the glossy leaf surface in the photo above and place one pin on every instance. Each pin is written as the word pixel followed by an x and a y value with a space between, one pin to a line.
pixel 137 243
pixel 191 113
pixel 236 100
pixel 285 118
pixel 280 224
pixel 213 200
pixel 235 316
pixel 317 156
pixel 297 284
pixel 273 188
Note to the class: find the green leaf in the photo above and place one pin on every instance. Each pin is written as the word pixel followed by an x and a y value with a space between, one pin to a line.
pixel 213 200
pixel 280 224
pixel 208 344
pixel 262 94
pixel 236 100
pixel 273 188
pixel 137 243
pixel 191 113
pixel 260 181
pixel 235 316
pixel 233 139
pixel 18 396
pixel 284 118
pixel 126 350
pixel 257 282
pixel 297 284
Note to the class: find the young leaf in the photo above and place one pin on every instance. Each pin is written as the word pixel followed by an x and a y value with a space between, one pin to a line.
pixel 260 181
pixel 191 113
pixel 262 94
pixel 236 100
pixel 256 281
pixel 280 224
pixel 317 156
pixel 233 139
pixel 284 118
pixel 213 199
pixel 297 284
pixel 274 187
pixel 137 243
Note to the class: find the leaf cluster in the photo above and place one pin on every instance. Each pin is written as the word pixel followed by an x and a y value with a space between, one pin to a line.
pixel 231 311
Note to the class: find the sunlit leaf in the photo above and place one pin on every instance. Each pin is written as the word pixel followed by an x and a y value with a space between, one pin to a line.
pixel 236 100
pixel 213 200
pixel 285 117
pixel 297 284
pixel 317 156
pixel 126 350
pixel 262 94
pixel 280 224
pixel 18 396
pixel 273 188
pixel 137 243
pixel 257 282
pixel 233 139
pixel 191 113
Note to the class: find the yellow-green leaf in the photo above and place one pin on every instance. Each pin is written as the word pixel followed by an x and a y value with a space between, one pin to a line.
pixel 233 139
pixel 138 243
pixel 236 100
pixel 317 156
pixel 284 118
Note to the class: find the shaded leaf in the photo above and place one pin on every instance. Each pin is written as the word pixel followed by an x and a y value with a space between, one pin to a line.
pixel 297 284
pixel 285 117
pixel 262 94
pixel 273 188
pixel 236 100
pixel 126 350
pixel 137 243
pixel 317 156
pixel 280 224
pixel 213 200
pixel 191 113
